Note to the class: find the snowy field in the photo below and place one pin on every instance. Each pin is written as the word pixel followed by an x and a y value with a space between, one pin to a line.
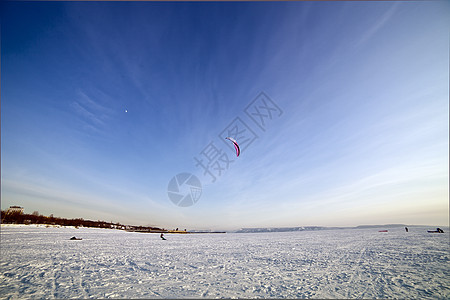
pixel 39 262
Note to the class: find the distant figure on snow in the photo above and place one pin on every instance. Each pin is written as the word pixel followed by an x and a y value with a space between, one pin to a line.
pixel 162 236
pixel 406 228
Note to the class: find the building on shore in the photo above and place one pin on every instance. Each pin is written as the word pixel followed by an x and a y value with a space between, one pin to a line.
pixel 15 210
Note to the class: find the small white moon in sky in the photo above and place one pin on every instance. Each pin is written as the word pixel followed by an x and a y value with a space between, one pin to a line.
pixel 126 110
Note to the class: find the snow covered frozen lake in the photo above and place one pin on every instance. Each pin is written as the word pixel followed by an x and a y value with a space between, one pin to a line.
pixel 39 262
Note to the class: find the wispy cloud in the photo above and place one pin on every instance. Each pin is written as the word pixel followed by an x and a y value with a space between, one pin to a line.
pixel 109 202
pixel 93 113
pixel 380 23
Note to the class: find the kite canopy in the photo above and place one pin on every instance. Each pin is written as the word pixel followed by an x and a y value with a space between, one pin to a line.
pixel 236 146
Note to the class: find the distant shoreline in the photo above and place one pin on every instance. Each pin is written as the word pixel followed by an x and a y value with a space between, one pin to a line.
pixel 242 230
pixel 15 215
pixel 320 228
pixel 126 230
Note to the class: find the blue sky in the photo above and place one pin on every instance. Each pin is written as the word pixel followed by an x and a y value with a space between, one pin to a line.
pixel 103 103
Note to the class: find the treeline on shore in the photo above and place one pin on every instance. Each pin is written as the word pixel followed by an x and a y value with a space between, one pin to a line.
pixel 36 218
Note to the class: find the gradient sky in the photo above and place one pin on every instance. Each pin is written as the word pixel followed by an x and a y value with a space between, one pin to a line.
pixel 103 103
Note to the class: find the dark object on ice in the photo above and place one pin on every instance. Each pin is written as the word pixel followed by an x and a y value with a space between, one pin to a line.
pixel 438 230
pixel 382 231
pixel 75 239
pixel 162 236
pixel 406 228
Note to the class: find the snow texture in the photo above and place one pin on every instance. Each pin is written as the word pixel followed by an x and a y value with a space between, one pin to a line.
pixel 40 262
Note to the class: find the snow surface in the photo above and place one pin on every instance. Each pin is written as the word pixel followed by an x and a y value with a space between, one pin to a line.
pixel 39 262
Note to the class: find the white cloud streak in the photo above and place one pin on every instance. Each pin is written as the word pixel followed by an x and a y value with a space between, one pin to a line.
pixel 378 25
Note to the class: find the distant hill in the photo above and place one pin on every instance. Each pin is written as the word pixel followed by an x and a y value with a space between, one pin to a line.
pixel 315 228
pixel 280 229
pixel 377 226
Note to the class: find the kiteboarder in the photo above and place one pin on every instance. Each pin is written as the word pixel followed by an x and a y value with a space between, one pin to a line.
pixel 406 228
pixel 162 236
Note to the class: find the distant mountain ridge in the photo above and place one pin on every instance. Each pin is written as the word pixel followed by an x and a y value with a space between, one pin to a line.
pixel 315 228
